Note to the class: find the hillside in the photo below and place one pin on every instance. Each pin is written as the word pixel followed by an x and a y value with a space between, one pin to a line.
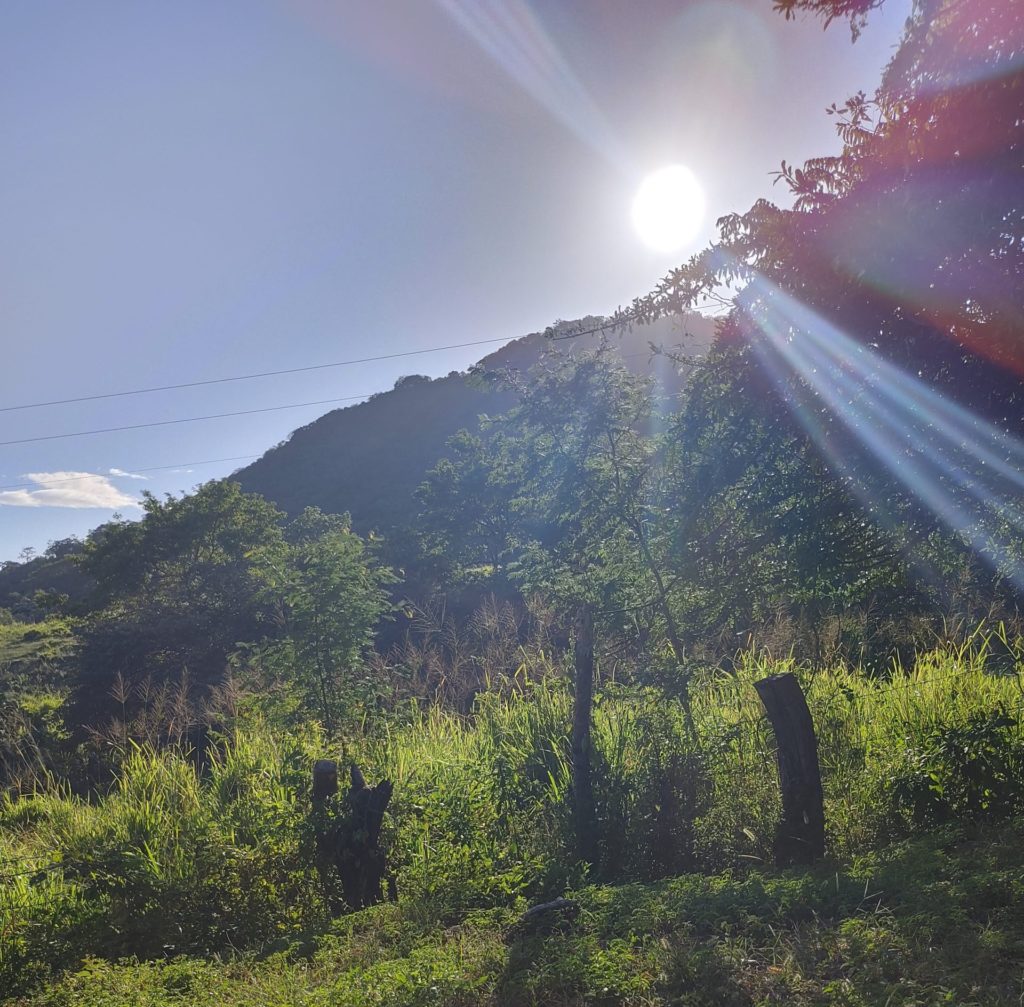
pixel 369 458
pixel 54 571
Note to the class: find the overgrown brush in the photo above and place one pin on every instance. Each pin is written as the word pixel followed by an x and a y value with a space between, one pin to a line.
pixel 934 921
pixel 168 862
pixel 483 801
pixel 175 859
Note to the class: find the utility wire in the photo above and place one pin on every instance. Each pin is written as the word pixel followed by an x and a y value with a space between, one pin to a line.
pixel 612 325
pixel 112 475
pixel 250 377
pixel 212 416
pixel 184 419
pixel 270 374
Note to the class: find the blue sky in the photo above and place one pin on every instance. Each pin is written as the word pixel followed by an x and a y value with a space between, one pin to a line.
pixel 192 190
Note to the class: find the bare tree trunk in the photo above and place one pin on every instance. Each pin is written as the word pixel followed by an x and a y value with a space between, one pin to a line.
pixel 584 821
pixel 800 837
pixel 635 524
pixel 671 629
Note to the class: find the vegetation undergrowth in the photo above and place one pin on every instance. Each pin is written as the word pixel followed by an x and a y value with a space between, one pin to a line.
pixel 215 858
pixel 932 921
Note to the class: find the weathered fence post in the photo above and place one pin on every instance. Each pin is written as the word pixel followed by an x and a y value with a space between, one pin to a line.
pixel 800 836
pixel 584 822
pixel 348 838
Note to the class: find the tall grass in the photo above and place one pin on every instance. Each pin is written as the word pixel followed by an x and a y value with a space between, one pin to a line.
pixel 175 860
pixel 169 861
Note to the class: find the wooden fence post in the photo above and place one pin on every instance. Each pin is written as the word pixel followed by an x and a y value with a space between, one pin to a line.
pixel 800 836
pixel 584 822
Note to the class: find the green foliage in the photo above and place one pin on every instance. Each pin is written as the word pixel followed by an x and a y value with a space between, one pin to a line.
pixel 50 577
pixel 378 452
pixel 35 655
pixel 967 770
pixel 180 592
pixel 330 597
pixel 216 578
pixel 175 860
pixel 35 661
pixel 765 524
pixel 896 251
pixel 367 460
pixel 35 746
pixel 564 496
pixel 168 863
pixel 556 486
pixel 855 12
pixel 196 543
pixel 682 542
pixel 466 508
pixel 936 921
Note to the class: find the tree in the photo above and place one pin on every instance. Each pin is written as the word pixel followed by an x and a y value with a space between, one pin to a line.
pixel 465 509
pixel 854 12
pixel 329 595
pixel 755 519
pixel 178 591
pixel 877 323
pixel 563 492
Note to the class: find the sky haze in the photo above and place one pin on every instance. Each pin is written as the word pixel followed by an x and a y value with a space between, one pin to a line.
pixel 192 190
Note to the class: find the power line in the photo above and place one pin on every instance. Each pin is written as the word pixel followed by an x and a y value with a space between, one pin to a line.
pixel 183 419
pixel 611 324
pixel 211 416
pixel 150 468
pixel 286 370
pixel 250 377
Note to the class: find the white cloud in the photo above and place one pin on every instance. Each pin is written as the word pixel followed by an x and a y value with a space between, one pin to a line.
pixel 68 489
pixel 126 475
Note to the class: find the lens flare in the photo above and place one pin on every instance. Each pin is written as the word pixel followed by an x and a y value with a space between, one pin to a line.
pixel 966 471
pixel 513 37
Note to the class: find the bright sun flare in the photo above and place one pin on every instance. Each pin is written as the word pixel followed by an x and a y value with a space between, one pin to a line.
pixel 668 208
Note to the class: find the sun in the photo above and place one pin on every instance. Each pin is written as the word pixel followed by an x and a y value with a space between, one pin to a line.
pixel 668 208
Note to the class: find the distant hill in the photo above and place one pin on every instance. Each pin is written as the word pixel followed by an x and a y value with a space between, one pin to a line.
pixel 54 571
pixel 368 459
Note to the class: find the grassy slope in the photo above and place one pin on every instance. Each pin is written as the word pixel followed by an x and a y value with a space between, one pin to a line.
pixel 936 921
pixel 60 573
pixel 176 862
pixel 31 654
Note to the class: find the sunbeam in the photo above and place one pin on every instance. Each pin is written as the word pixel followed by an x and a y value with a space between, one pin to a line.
pixel 965 470
pixel 514 38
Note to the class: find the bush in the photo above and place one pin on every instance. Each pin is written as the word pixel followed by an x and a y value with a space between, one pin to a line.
pixel 168 862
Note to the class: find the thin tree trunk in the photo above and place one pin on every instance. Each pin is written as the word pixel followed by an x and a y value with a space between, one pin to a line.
pixel 582 782
pixel 635 524
pixel 671 629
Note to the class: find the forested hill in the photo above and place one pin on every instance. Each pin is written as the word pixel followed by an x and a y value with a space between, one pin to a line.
pixel 368 459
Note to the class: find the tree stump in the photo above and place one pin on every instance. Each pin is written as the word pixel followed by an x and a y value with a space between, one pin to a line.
pixel 325 779
pixel 348 839
pixel 800 836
